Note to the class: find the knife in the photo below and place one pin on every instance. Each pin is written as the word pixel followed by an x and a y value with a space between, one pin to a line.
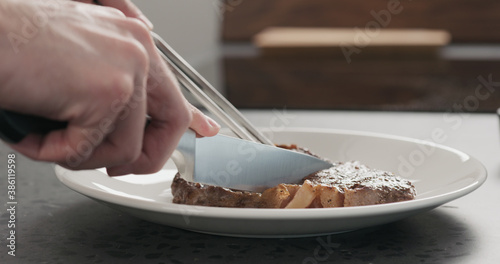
pixel 241 164
pixel 219 160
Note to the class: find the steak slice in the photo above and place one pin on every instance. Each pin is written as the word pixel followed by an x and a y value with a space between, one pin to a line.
pixel 344 184
pixel 361 185
pixel 194 193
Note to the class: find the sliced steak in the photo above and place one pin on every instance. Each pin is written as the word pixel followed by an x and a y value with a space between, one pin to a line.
pixel 344 184
pixel 361 185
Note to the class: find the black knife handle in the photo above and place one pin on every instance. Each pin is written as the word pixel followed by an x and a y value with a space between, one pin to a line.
pixel 15 126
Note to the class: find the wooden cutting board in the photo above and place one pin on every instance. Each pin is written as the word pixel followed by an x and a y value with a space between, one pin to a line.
pixel 350 42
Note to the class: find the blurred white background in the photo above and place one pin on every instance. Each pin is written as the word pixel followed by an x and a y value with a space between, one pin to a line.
pixel 191 27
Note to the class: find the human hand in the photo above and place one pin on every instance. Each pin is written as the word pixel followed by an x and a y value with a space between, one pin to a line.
pixel 98 70
pixel 126 6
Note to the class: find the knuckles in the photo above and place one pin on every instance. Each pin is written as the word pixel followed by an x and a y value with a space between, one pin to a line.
pixel 140 46
pixel 114 91
pixel 136 54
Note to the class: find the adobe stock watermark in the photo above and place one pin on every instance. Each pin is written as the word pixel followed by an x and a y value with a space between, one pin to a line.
pixel 364 36
pixel 11 204
pixel 188 211
pixel 31 26
pixel 223 6
pixel 279 122
pixel 453 120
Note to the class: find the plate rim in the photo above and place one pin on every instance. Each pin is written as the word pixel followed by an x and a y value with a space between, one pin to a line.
pixel 303 213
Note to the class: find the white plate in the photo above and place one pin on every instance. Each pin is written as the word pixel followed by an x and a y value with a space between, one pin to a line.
pixel 440 174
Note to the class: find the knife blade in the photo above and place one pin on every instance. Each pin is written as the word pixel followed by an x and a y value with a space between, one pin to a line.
pixel 241 164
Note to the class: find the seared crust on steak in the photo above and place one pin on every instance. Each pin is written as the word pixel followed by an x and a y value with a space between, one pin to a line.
pixel 361 185
pixel 344 184
pixel 194 193
pixel 201 194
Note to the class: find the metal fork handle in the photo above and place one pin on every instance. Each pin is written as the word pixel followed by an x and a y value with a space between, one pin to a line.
pixel 207 95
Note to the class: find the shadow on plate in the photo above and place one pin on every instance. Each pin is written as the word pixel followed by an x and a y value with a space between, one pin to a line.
pixel 91 232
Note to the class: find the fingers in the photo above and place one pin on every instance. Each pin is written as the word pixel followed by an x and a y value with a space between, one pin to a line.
pixel 114 139
pixel 170 117
pixel 103 10
pixel 51 147
pixel 129 9
pixel 159 142
pixel 202 124
pixel 124 142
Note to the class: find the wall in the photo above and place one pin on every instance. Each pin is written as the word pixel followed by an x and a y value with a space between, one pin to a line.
pixel 191 27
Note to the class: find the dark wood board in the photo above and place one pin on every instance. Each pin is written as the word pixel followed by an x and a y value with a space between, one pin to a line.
pixel 467 21
pixel 408 85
